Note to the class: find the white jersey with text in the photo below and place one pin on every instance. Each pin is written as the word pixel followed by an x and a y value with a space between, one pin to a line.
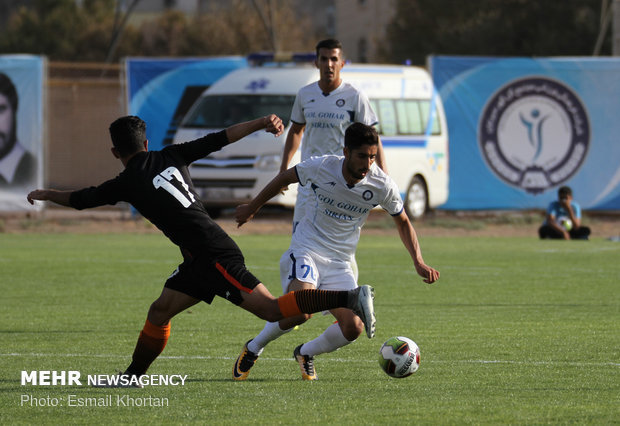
pixel 335 215
pixel 327 116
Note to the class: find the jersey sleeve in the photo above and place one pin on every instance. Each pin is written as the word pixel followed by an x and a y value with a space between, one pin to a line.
pixel 307 169
pixel 199 148
pixel 393 202
pixel 108 193
pixel 297 113
pixel 551 210
pixel 365 114
pixel 576 210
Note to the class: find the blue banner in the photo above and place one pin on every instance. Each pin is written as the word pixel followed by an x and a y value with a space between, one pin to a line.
pixel 160 91
pixel 520 128
pixel 21 129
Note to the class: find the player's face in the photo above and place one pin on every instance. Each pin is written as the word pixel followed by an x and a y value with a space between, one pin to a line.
pixel 329 62
pixel 357 162
pixel 566 200
pixel 6 122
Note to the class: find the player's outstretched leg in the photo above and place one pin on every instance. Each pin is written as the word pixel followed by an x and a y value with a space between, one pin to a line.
pixel 309 301
pixel 359 300
pixel 151 343
pixel 244 363
pixel 156 331
pixel 364 308
pixel 306 364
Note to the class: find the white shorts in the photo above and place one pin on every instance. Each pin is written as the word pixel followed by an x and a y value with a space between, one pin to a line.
pixel 305 196
pixel 320 272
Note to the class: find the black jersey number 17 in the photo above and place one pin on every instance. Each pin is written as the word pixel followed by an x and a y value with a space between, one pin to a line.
pixel 163 180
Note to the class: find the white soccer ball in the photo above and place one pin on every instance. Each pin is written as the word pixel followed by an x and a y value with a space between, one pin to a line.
pixel 399 357
pixel 565 223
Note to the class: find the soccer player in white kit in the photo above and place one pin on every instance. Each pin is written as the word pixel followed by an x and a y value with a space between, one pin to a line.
pixel 322 112
pixel 344 189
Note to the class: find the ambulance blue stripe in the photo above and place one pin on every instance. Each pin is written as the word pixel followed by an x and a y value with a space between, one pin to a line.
pixel 404 142
pixel 378 70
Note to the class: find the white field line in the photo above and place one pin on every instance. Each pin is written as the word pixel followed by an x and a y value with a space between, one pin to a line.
pixel 425 361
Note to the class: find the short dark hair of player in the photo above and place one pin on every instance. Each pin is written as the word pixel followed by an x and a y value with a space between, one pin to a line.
pixel 564 192
pixel 358 134
pixel 7 88
pixel 128 135
pixel 330 43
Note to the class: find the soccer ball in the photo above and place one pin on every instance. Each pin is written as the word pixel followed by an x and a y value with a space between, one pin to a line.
pixel 399 357
pixel 565 223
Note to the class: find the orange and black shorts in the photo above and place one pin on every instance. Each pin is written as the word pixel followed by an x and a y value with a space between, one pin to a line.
pixel 204 278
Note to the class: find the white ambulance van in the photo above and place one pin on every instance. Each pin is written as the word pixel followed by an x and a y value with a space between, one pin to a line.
pixel 412 127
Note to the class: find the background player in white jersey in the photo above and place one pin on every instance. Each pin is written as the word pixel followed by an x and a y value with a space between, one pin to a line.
pixel 344 190
pixel 322 112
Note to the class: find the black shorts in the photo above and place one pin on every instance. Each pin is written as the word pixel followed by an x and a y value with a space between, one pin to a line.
pixel 204 278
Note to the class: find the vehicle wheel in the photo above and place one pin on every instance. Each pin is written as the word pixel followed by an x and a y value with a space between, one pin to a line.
pixel 416 200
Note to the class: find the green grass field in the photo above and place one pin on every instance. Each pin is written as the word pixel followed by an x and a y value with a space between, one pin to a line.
pixel 516 331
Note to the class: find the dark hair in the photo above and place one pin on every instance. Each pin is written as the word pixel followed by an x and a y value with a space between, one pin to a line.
pixel 358 134
pixel 7 88
pixel 564 192
pixel 330 43
pixel 128 135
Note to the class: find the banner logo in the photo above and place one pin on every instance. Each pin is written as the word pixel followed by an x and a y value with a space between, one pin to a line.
pixel 534 133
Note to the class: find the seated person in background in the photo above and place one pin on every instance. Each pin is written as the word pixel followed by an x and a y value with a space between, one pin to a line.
pixel 563 219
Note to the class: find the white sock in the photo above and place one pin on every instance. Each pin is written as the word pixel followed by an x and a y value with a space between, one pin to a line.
pixel 356 272
pixel 270 332
pixel 331 339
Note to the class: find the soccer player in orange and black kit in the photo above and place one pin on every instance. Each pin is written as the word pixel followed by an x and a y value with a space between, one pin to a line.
pixel 158 185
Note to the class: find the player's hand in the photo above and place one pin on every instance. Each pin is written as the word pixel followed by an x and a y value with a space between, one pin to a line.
pixel 273 124
pixel 37 194
pixel 429 274
pixel 243 213
pixel 565 202
pixel 283 190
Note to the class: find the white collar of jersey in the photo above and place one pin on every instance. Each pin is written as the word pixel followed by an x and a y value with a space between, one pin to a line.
pixel 336 90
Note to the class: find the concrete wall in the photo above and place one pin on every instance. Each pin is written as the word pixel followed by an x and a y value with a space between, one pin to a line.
pixel 80 106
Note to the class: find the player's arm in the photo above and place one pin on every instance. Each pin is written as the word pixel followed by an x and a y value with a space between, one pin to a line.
pixel 380 159
pixel 410 239
pixel 571 213
pixel 271 123
pixel 246 212
pixel 293 140
pixel 53 195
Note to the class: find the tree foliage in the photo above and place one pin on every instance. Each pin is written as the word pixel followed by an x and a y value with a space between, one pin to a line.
pixel 64 30
pixel 84 31
pixel 233 29
pixel 60 29
pixel 492 28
